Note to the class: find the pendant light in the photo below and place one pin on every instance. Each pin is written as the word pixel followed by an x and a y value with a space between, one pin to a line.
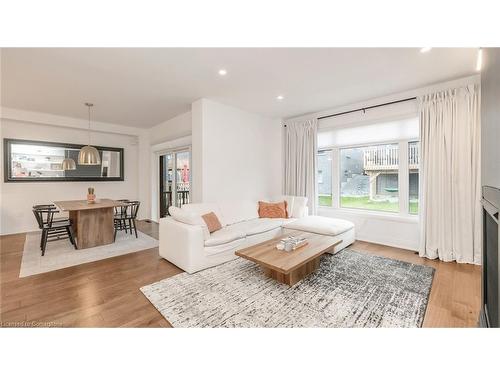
pixel 68 164
pixel 89 155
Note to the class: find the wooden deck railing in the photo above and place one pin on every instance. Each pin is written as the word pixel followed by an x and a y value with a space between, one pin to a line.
pixel 182 197
pixel 387 157
pixel 413 156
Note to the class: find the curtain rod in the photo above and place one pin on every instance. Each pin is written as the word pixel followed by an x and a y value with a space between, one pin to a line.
pixel 365 108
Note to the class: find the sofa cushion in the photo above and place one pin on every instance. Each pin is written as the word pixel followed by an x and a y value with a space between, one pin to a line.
pixel 238 211
pixel 257 226
pixel 287 221
pixel 263 225
pixel 229 247
pixel 327 226
pixel 225 235
pixel 190 218
pixel 205 208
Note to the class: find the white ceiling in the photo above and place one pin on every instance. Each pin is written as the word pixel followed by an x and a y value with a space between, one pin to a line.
pixel 145 86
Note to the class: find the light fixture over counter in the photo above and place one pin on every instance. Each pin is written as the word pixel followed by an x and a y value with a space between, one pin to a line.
pixel 89 155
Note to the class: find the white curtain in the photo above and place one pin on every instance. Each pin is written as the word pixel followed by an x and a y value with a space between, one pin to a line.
pixel 450 186
pixel 301 143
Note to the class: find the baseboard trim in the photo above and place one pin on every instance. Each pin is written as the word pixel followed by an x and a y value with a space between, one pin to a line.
pixel 386 242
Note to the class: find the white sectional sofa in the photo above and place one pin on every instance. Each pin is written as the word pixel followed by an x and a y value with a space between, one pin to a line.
pixel 186 242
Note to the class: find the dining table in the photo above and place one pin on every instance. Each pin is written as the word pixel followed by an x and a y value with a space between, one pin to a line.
pixel 92 222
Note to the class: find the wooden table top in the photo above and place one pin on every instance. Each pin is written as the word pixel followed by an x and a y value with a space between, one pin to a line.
pixel 84 205
pixel 266 254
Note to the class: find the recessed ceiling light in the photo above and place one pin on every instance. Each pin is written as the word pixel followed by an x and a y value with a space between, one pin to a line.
pixel 280 97
pixel 479 62
pixel 425 49
pixel 222 72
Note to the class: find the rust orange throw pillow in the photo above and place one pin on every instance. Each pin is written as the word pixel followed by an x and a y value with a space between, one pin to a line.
pixel 212 222
pixel 273 210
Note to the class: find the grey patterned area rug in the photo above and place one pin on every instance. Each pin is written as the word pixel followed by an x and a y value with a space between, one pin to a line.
pixel 350 289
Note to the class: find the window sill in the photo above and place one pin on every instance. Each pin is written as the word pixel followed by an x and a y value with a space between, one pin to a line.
pixel 389 216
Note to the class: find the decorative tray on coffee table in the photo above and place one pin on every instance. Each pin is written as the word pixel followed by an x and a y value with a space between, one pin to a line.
pixel 291 243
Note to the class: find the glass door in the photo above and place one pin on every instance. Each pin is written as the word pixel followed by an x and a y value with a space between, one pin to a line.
pixel 175 179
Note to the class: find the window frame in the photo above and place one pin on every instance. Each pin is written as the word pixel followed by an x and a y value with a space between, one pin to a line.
pixel 403 179
pixel 331 175
pixel 408 177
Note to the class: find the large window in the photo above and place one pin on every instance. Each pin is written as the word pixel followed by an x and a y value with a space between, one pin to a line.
pixel 369 177
pixel 370 167
pixel 413 173
pixel 324 178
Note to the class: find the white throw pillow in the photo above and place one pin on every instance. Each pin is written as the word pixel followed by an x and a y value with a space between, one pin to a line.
pixel 299 207
pixel 290 202
pixel 190 218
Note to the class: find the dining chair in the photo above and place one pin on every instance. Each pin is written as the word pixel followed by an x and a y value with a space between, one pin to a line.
pixel 127 221
pixel 52 229
pixel 120 214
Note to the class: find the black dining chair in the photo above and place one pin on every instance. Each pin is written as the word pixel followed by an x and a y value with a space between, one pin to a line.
pixel 120 214
pixel 52 229
pixel 126 220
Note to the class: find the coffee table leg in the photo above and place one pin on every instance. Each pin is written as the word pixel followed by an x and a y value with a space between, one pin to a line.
pixel 294 276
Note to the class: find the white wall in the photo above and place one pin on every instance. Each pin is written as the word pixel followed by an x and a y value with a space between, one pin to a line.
pixel 387 229
pixel 18 198
pixel 177 127
pixel 197 150
pixel 144 177
pixel 236 154
pixel 392 111
pixel 490 118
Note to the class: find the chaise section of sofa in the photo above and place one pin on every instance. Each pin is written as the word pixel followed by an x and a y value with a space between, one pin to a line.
pixel 186 242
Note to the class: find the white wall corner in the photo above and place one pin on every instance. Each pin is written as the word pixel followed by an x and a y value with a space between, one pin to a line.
pixel 143 181
pixel 237 155
pixel 197 149
pixel 172 129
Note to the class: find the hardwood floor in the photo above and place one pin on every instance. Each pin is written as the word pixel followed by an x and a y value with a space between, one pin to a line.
pixel 106 293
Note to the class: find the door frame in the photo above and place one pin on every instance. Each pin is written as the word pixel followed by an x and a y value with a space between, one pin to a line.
pixel 174 151
pixel 155 150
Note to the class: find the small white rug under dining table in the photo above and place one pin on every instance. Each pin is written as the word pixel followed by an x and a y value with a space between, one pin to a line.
pixel 61 254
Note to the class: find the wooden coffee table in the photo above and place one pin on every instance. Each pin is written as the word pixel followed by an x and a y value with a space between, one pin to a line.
pixel 289 267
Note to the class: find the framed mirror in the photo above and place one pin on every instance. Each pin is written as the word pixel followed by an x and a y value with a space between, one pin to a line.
pixel 32 161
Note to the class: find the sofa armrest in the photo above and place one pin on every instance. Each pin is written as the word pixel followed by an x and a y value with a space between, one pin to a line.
pixel 181 244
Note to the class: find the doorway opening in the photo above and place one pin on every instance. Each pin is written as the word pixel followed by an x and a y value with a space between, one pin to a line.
pixel 175 179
